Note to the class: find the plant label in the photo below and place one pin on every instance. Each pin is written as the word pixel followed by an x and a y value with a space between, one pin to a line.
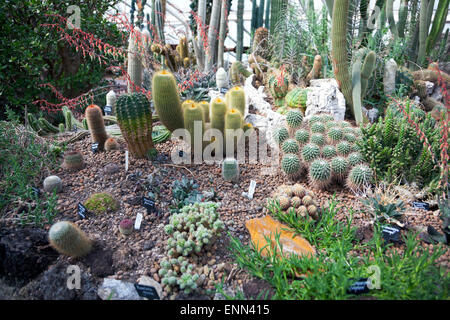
pixel 75 128
pixel 421 205
pixel 36 191
pixel 138 221
pixel 149 204
pixel 94 147
pixel 391 234
pixel 251 189
pixel 126 160
pixel 146 291
pixel 180 153
pixel 108 110
pixel 359 287
pixel 82 211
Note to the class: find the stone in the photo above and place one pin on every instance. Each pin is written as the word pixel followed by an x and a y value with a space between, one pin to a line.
pixel 372 114
pixel 390 71
pixel 437 93
pixel 112 289
pixel 430 87
pixel 221 78
pixel 53 183
pixel 147 281
pixel 324 96
pixel 111 168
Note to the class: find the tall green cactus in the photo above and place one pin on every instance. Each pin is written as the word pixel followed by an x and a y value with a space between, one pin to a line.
pixel 254 21
pixel 135 67
pixel 260 14
pixel 218 111
pixel 134 118
pixel 423 31
pixel 159 20
pixel 240 30
pixel 192 115
pixel 367 71
pixel 267 18
pixel 438 24
pixel 402 17
pixel 390 17
pixel 339 52
pixel 66 238
pixel 277 7
pixel 96 125
pixel 167 100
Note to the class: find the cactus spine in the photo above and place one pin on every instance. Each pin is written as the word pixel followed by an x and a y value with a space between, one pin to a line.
pixel 96 125
pixel 134 62
pixel 167 100
pixel 134 118
pixel 66 238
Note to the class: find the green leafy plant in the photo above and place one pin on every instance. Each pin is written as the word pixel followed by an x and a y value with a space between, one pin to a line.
pixel 382 212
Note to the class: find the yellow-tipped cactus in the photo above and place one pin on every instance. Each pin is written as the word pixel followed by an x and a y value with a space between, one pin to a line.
pixel 235 99
pixel 205 107
pixel 218 111
pixel 233 122
pixel 96 125
pixel 186 103
pixel 66 238
pixel 167 100
pixel 192 114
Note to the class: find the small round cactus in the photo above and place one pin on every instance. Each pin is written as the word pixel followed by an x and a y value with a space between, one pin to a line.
pixel 320 173
pixel 318 139
pixel 334 135
pixel 329 152
pixel 291 164
pixel 349 137
pixel 66 238
pixel 284 202
pixel 280 134
pixel 126 227
pixel 296 202
pixel 53 184
pixel 73 160
pixel 325 117
pixel 344 124
pixel 356 148
pixel 290 146
pixel 310 152
pixel 302 136
pixel 313 212
pixel 348 130
pixel 111 144
pixel 230 170
pixel 302 211
pixel 314 119
pixel 307 200
pixel 355 158
pixel 317 127
pixel 331 124
pixel 359 178
pixel 339 168
pixel 294 119
pixel 344 148
pixel 298 191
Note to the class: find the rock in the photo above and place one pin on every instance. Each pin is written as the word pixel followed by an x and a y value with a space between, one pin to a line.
pixel 324 97
pixel 390 71
pixel 53 183
pixel 24 254
pixel 201 280
pixel 437 93
pixel 147 281
pixel 52 285
pixel 430 87
pixel 258 289
pixel 112 289
pixel 111 168
pixel 372 114
pixel 148 245
pixel 255 96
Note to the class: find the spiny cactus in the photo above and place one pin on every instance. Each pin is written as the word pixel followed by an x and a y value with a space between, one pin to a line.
pixel 221 78
pixel 296 98
pixel 318 127
pixel 290 146
pixel 315 70
pixel 302 136
pixel 66 238
pixel 314 118
pixel 193 115
pixel 329 152
pixel 111 100
pixel 334 135
pixel 167 100
pixel 294 119
pixel 280 134
pixel 135 67
pixel 235 99
pixel 230 170
pixel 339 168
pixel 205 107
pixel 96 125
pixel 260 42
pixel 279 86
pixel 359 178
pixel 344 148
pixel 111 144
pixel 318 139
pixel 233 123
pixel 291 165
pixel 126 227
pixel 310 152
pixel 218 111
pixel 355 158
pixel 134 118
pixel 73 160
pixel 320 173
pixel 99 203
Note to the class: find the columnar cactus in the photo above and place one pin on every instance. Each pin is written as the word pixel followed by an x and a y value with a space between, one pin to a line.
pixel 134 118
pixel 167 100
pixel 218 111
pixel 73 160
pixel 193 115
pixel 96 125
pixel 111 100
pixel 235 99
pixel 134 62
pixel 205 108
pixel 230 170
pixel 66 238
pixel 233 123
pixel 315 71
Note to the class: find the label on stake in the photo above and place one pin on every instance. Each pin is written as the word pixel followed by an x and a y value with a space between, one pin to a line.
pixel 94 147
pixel 146 292
pixel 82 211
pixel 126 160
pixel 251 189
pixel 138 221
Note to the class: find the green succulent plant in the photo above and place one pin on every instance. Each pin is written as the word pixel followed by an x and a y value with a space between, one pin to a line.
pixel 310 152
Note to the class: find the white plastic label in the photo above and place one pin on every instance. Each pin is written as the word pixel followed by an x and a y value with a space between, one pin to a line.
pixel 251 189
pixel 138 221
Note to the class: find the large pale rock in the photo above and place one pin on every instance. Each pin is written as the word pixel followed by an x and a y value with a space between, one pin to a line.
pixel 221 78
pixel 112 289
pixel 390 70
pixel 324 96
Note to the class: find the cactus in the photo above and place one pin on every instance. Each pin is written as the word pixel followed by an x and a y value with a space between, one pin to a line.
pixel 230 170
pixel 240 30
pixel 134 118
pixel 291 165
pixel 290 146
pixel 235 99
pixel 238 71
pixel 390 17
pixel 318 127
pixel 126 227
pixel 390 71
pixel 359 178
pixel 99 203
pixel 296 98
pixel 96 125
pixel 294 119
pixel 325 118
pixel 314 118
pixel 111 100
pixel 134 62
pixel 402 17
pixel 423 31
pixel 53 184
pixel 218 111
pixel 320 174
pixel 344 148
pixel 280 134
pixel 279 86
pixel 276 10
pixel 186 103
pixel 167 100
pixel 73 160
pixel 302 136
pixel 205 107
pixel 111 144
pixel 310 152
pixel 67 118
pixel 62 128
pixel 328 152
pixel 233 121
pixel 318 139
pixel 438 25
pixel 355 158
pixel 349 137
pixel 315 71
pixel 339 168
pixel 193 114
pixel 47 126
pixel 66 238
pixel 260 43
pixel 334 135
pixel 221 78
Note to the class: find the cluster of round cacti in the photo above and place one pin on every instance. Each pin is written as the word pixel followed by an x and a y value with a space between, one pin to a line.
pixel 190 230
pixel 297 200
pixel 326 148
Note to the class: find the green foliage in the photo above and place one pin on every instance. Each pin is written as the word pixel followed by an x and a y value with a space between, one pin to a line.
pixel 412 274
pixel 32 54
pixel 384 212
pixel 99 203
pixel 29 158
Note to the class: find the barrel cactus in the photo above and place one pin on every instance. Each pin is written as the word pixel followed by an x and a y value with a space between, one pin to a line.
pixel 355 158
pixel 359 178
pixel 302 136
pixel 339 168
pixel 320 174
pixel 291 165
pixel 221 78
pixel 279 86
pixel 296 98
pixel 290 146
pixel 134 118
pixel 294 119
pixel 66 238
pixel 230 170
pixel 193 116
pixel 233 128
pixel 235 99
pixel 344 148
pixel 280 134
pixel 73 160
pixel 53 184
pixel 111 144
pixel 318 138
pixel 96 125
pixel 218 111
pixel 310 152
pixel 205 107
pixel 334 135
pixel 329 152
pixel 317 127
